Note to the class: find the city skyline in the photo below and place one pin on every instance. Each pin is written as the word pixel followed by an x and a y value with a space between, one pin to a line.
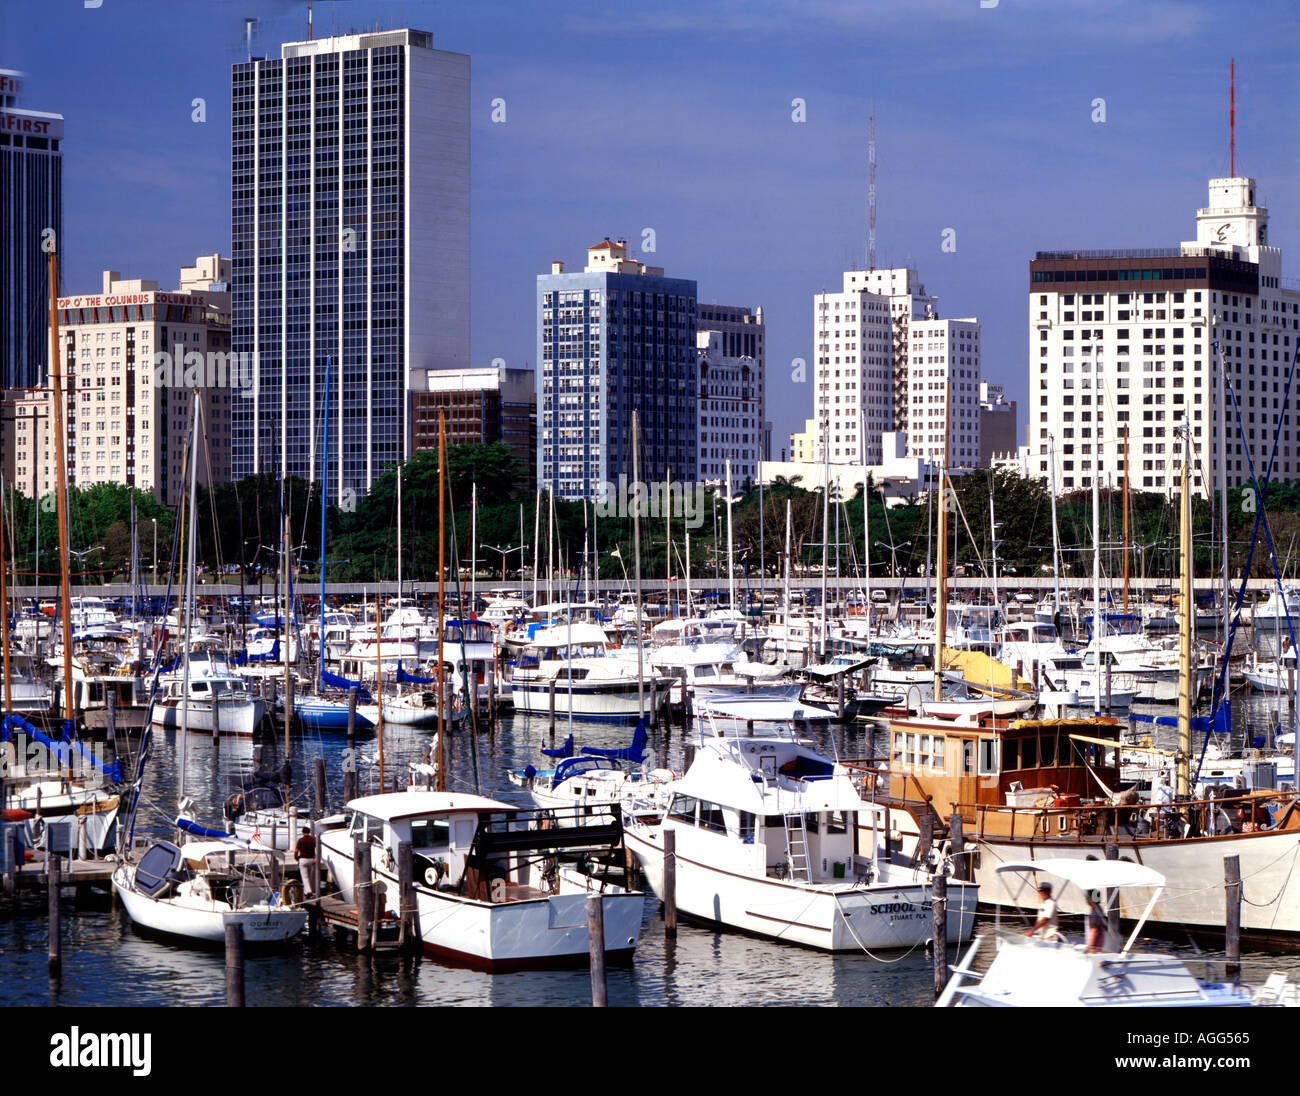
pixel 1001 131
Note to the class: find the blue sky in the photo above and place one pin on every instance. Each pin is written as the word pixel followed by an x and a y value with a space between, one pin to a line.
pixel 677 117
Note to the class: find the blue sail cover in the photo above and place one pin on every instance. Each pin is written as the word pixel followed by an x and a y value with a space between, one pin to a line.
pixel 564 751
pixel 336 682
pixel 1219 723
pixel 414 679
pixel 273 655
pixel 634 753
pixel 63 750
pixel 199 831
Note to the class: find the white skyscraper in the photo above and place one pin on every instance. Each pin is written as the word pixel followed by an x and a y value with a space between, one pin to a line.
pixel 1122 342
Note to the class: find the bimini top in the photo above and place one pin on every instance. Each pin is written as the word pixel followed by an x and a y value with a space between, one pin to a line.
pixel 391 806
pixel 1091 874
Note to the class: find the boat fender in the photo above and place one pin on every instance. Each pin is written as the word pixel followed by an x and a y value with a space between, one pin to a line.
pixel 15 814
pixel 387 860
pixel 662 776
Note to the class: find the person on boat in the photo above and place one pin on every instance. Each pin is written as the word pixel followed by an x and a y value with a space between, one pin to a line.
pixel 305 853
pixel 1096 923
pixel 1046 927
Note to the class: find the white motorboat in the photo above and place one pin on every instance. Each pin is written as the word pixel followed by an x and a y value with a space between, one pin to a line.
pixel 763 712
pixel 765 830
pixel 490 890
pixel 1027 971
pixel 193 891
pixel 216 696
pixel 589 783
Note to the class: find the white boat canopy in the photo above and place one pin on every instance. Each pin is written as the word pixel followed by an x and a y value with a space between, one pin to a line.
pixel 1091 874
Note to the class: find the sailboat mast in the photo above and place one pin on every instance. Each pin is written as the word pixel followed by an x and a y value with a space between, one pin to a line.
pixel 668 534
pixel 1056 533
pixel 442 574
pixel 731 554
pixel 1126 520
pixel 188 601
pixel 61 469
pixel 1185 618
pixel 1098 616
pixel 636 557
pixel 866 545
pixel 473 549
pixel 941 602
pixel 4 612
pixel 324 489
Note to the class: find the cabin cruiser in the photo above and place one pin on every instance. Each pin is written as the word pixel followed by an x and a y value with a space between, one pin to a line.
pixel 1029 971
pixel 712 669
pixel 588 681
pixel 1279 605
pixel 217 700
pixel 1034 649
pixel 491 889
pixel 773 838
pixel 589 784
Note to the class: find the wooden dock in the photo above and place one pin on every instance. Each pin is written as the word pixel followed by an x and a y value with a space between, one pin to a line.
pixel 344 919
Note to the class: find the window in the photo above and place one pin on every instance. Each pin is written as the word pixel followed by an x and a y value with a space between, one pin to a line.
pixel 988 757
pixel 683 809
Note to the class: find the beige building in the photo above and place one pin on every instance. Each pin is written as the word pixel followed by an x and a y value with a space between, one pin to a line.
pixel 133 356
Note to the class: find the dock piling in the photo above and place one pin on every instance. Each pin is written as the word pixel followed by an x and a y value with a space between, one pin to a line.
pixel 1232 915
pixel 406 910
pixel 670 882
pixel 318 773
pixel 349 758
pixel 596 937
pixel 939 915
pixel 234 965
pixel 53 876
pixel 362 885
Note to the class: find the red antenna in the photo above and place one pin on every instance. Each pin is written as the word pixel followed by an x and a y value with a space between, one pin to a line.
pixel 871 192
pixel 1232 118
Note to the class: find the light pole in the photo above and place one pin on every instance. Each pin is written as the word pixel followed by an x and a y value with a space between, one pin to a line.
pixel 505 552
pixel 893 555
pixel 154 522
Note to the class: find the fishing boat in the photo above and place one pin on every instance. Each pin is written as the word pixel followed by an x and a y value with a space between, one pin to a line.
pixel 194 891
pixel 491 890
pixel 1011 969
pixel 766 834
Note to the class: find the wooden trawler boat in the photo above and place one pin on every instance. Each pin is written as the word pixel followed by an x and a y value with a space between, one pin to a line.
pixel 490 889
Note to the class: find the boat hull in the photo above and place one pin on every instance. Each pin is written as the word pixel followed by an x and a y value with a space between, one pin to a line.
pixel 239 718
pixel 829 917
pixel 609 700
pixel 205 921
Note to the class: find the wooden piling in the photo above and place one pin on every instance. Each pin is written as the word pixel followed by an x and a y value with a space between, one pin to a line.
pixel 409 937
pixel 362 887
pixel 596 938
pixel 350 757
pixel 939 930
pixel 1112 898
pixel 961 865
pixel 9 833
pixel 839 698
pixel 234 965
pixel 670 882
pixel 1232 915
pixel 54 879
pixel 318 773
pixel 551 690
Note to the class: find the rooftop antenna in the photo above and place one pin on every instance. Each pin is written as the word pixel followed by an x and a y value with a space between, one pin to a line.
pixel 871 193
pixel 308 20
pixel 1232 118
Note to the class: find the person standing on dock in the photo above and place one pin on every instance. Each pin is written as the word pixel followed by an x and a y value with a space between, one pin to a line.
pixel 305 853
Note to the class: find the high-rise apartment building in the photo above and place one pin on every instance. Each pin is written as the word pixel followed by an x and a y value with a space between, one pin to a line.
pixel 133 358
pixel 1122 350
pixel 944 384
pixel 31 222
pixel 617 337
pixel 350 247
pixel 731 410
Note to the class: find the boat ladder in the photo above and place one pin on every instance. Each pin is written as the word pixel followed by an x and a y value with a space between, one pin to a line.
pixel 797 845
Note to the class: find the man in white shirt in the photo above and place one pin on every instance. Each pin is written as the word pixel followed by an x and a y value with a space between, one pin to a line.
pixel 1045 928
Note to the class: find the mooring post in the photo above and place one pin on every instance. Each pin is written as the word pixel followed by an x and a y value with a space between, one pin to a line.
pixel 234 965
pixel 318 773
pixel 53 877
pixel 362 886
pixel 409 938
pixel 1232 915
pixel 670 882
pixel 839 698
pixel 961 865
pixel 551 690
pixel 350 756
pixel 596 937
pixel 939 915
pixel 1112 899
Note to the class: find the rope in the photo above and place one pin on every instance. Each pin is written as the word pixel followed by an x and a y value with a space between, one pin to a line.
pixel 866 950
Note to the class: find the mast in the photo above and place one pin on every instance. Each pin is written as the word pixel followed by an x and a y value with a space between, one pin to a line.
pixel 1126 521
pixel 4 612
pixel 668 533
pixel 993 542
pixel 188 599
pixel 61 470
pixel 787 579
pixel 1223 485
pixel 1098 617
pixel 1185 618
pixel 1056 533
pixel 866 542
pixel 826 510
pixel 537 540
pixel 288 665
pixel 731 554
pixel 442 572
pixel 636 556
pixel 941 604
pixel 324 487
pixel 473 548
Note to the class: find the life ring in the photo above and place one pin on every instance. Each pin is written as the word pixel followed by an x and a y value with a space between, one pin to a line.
pixel 662 776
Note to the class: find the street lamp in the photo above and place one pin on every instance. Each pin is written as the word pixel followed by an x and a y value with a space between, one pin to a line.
pixel 505 552
pixel 893 554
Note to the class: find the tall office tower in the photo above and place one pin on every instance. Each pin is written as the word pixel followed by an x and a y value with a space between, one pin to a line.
pixel 350 245
pixel 615 338
pixel 1122 351
pixel 31 213
pixel 944 382
pixel 860 373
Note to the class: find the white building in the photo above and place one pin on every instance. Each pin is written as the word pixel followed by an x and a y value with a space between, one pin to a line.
pixel 731 411
pixel 944 384
pixel 1123 343
pixel 899 477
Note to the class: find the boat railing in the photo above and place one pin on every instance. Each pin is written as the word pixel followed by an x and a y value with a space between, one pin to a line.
pixel 1255 812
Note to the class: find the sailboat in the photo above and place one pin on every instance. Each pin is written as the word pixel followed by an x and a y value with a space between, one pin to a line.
pixel 193 891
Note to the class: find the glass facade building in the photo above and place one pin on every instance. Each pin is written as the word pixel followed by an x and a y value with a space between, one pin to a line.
pixel 350 248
